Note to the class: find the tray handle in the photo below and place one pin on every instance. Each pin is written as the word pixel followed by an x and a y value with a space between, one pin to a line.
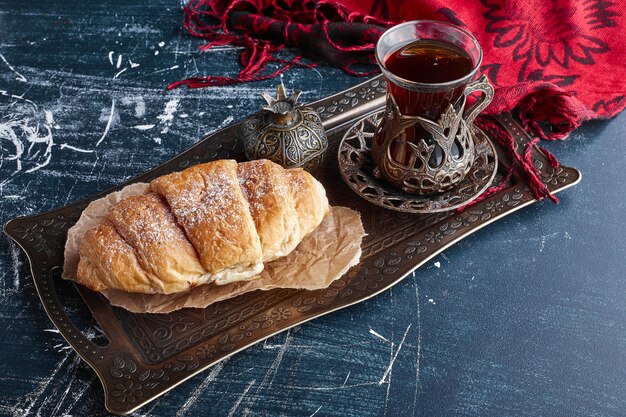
pixel 87 349
pixel 44 270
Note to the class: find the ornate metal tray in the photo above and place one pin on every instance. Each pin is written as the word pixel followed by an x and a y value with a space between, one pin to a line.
pixel 147 355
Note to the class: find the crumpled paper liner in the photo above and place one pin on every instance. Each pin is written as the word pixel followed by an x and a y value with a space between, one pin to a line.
pixel 323 256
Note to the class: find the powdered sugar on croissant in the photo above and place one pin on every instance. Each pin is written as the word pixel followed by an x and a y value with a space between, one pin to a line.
pixel 214 222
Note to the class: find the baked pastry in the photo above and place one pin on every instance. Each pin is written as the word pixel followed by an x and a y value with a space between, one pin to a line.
pixel 214 222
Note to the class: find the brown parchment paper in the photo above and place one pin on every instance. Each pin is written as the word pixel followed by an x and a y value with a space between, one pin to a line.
pixel 323 256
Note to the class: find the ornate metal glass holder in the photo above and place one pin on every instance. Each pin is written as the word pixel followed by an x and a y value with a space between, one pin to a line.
pixel 360 172
pixel 424 143
pixel 422 156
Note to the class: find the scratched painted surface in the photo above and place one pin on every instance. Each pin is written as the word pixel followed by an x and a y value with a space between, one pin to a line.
pixel 526 317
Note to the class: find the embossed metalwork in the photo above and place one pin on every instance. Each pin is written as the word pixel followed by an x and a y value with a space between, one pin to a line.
pixel 359 171
pixel 285 132
pixel 148 355
pixel 450 137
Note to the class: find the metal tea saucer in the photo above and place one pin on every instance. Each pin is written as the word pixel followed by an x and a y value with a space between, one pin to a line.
pixel 356 168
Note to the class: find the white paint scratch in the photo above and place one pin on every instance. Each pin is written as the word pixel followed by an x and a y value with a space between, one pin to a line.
pixel 7 132
pixel 217 368
pixel 316 411
pixel 321 77
pixel 271 372
pixel 437 264
pixel 332 388
pixel 419 342
pixel 133 64
pixel 155 72
pixel 339 387
pixel 120 72
pixel 49 117
pixel 235 406
pixel 52 330
pixel 388 381
pixel 161 44
pixel 143 127
pixel 176 48
pixel 140 105
pixel 342 386
pixel 27 139
pixel 226 121
pixel 74 148
pixel 168 114
pixel 78 394
pixel 393 358
pixel 345 381
pixel 7 94
pixel 15 259
pixel 19 77
pixel 46 139
pixel 111 57
pixel 375 333
pixel 70 374
pixel 119 61
pixel 11 196
pixel 277 361
pixel 93 332
pixel 542 242
pixel 109 122
pixel 34 396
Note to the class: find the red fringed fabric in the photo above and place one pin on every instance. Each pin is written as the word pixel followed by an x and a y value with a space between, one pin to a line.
pixel 555 63
pixel 319 29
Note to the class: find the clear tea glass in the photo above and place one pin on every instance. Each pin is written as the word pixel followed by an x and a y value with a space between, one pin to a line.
pixel 427 95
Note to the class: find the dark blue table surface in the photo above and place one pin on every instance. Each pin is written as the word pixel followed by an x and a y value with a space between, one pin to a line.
pixel 526 317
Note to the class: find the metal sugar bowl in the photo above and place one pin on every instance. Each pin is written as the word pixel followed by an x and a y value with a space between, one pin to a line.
pixel 285 132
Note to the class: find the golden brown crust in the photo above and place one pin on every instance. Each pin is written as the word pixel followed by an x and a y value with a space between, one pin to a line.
pixel 208 203
pixel 147 225
pixel 214 222
pixel 107 261
pixel 309 198
pixel 273 210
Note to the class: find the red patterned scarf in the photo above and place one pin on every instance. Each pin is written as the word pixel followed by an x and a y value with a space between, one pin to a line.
pixel 556 63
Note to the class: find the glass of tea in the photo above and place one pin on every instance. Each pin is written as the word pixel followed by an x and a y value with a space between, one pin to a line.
pixel 423 144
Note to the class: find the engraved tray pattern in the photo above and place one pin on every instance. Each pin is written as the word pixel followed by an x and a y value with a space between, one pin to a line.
pixel 149 354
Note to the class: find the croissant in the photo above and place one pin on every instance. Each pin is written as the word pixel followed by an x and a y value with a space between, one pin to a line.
pixel 214 222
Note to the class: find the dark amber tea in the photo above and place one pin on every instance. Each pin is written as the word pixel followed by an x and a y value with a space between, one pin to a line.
pixel 429 61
